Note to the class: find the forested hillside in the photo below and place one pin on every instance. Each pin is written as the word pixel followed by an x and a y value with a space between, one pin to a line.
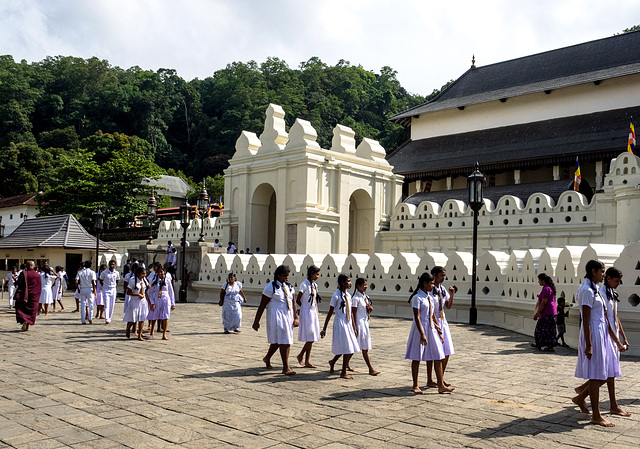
pixel 61 111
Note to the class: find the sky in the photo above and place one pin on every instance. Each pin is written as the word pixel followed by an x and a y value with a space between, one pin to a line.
pixel 428 42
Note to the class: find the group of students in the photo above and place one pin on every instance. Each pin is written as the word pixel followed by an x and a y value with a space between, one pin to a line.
pixel 53 285
pixel 429 339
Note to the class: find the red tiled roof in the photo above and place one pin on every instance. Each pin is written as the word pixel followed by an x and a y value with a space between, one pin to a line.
pixel 19 200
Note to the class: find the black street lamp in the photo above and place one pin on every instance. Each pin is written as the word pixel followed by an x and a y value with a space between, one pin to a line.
pixel 476 183
pixel 152 208
pixel 185 219
pixel 203 204
pixel 99 225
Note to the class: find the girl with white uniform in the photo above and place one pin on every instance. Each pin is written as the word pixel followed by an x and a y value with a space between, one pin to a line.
pixel 361 312
pixel 56 289
pixel 344 339
pixel 443 299
pixel 309 329
pixel 99 295
pixel 231 298
pixel 592 350
pixel 11 281
pixel 425 338
pixel 139 303
pixel 163 299
pixel 282 316
pixel 46 294
pixel 128 277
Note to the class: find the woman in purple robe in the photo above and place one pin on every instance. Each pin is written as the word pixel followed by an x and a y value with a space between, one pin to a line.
pixel 27 296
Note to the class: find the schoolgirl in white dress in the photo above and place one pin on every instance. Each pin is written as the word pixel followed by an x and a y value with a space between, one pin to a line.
pixel 442 299
pixel 46 294
pixel 56 289
pixel 99 295
pixel 593 342
pixel 361 307
pixel 344 339
pixel 231 298
pixel 163 300
pixel 139 303
pixel 425 337
pixel 282 316
pixel 309 329
pixel 128 277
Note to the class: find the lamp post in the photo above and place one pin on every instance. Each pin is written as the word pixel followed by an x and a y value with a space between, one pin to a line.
pixel 476 183
pixel 99 225
pixel 203 203
pixel 152 208
pixel 185 219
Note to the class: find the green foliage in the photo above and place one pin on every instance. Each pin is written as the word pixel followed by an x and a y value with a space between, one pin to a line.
pixel 24 168
pixel 632 29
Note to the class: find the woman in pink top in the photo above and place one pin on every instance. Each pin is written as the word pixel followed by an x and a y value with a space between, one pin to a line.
pixel 546 312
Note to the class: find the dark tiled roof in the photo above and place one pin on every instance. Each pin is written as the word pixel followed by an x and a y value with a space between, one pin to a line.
pixel 58 231
pixel 523 191
pixel 19 200
pixel 583 63
pixel 550 142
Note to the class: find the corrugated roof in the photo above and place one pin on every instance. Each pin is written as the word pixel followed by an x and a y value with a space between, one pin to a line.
pixel 18 200
pixel 594 136
pixel 58 231
pixel 592 61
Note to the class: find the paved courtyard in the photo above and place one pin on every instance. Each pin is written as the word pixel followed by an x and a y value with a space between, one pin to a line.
pixel 63 384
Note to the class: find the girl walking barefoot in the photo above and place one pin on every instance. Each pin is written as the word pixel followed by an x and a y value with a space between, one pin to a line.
pixel 442 299
pixel 425 337
pixel 163 301
pixel 49 276
pixel 282 316
pixel 309 329
pixel 344 339
pixel 99 296
pixel 231 298
pixel 139 303
pixel 361 312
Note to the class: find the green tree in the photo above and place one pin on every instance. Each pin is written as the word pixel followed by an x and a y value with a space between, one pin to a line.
pixel 24 168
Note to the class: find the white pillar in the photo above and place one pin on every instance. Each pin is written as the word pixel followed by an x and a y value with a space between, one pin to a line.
pixel 516 177
pixel 599 175
pixel 556 173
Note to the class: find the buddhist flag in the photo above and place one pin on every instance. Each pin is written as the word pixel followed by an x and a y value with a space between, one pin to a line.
pixel 631 147
pixel 577 177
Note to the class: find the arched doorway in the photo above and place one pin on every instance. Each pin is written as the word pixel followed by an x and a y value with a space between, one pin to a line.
pixel 263 219
pixel 361 223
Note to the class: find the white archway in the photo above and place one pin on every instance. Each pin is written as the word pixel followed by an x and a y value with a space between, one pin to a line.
pixel 263 219
pixel 361 229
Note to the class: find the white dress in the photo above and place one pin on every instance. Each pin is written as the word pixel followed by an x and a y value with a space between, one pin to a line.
pixel 433 350
pixel 440 296
pixel 596 367
pixel 138 308
pixel 231 307
pixel 613 354
pixel 343 339
pixel 46 295
pixel 309 328
pixel 362 320
pixel 162 296
pixel 57 289
pixel 127 278
pixel 99 298
pixel 279 313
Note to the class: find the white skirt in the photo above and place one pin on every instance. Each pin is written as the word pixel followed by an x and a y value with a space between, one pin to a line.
pixel 137 310
pixel 279 326
pixel 613 359
pixel 433 350
pixel 46 296
pixel 446 334
pixel 231 314
pixel 309 328
pixel 364 336
pixel 99 298
pixel 343 340
pixel 596 367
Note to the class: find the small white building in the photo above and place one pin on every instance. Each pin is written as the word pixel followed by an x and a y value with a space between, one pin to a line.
pixel 14 210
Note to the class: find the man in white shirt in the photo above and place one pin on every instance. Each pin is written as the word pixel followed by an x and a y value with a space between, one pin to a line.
pixel 109 281
pixel 86 286
pixel 171 254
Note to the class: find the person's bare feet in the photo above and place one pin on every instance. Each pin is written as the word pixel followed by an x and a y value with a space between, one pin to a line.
pixel 373 372
pixel 237 331
pixel 62 310
pixel 299 357
pixel 444 389
pixel 47 314
pixel 602 422
pixel 309 365
pixel 288 372
pixel 128 333
pixel 267 363
pixel 350 369
pixel 581 404
pixel 25 326
pixel 107 322
pixel 432 384
pixel 90 322
pixel 446 384
pixel 164 337
pixel 417 390
pixel 618 411
pixel 141 338
pixel 346 376
pixel 332 366
pixel 74 311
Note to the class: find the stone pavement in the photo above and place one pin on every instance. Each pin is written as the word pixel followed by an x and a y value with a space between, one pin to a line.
pixel 63 384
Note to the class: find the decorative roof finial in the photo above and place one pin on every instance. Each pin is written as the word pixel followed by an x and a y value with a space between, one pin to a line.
pixel 473 61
